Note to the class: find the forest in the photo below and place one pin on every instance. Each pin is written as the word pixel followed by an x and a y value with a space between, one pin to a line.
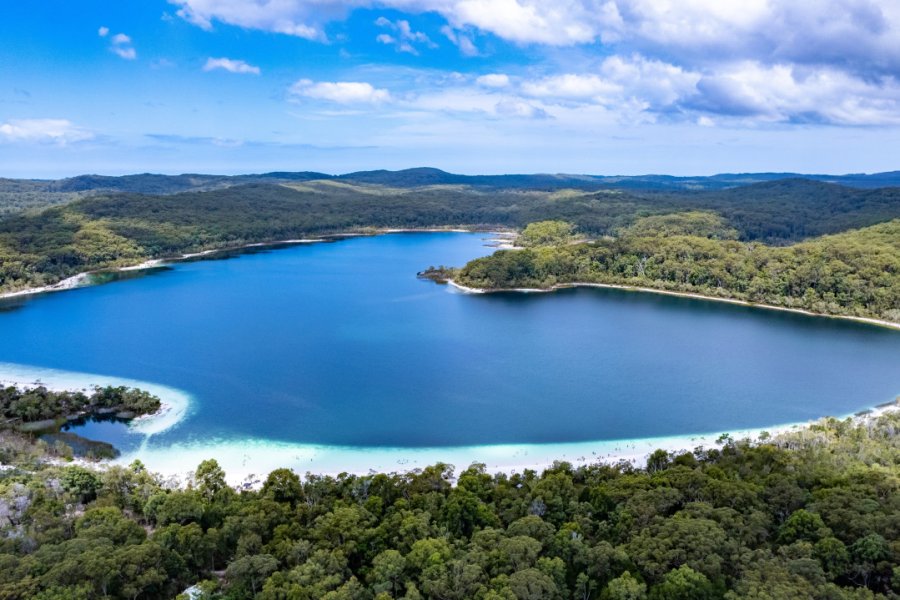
pixel 107 231
pixel 810 514
pixel 856 273
pixel 18 406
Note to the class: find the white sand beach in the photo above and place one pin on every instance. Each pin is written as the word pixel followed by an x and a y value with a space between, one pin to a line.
pixel 249 460
pixel 84 279
pixel 175 403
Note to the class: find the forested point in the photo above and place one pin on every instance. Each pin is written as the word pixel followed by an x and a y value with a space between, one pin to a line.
pixel 111 230
pixel 48 414
pixel 28 405
pixel 856 273
pixel 809 514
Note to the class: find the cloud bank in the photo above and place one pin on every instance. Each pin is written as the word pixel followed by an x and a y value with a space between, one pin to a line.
pixel 765 61
pixel 54 131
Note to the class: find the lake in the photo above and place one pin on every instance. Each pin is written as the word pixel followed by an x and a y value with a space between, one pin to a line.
pixel 340 345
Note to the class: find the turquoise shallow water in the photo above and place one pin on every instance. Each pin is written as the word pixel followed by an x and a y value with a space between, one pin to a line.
pixel 340 344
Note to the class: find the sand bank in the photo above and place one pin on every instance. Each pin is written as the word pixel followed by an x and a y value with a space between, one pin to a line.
pixel 175 403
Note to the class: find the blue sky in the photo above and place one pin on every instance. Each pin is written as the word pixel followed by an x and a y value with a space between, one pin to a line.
pixel 472 86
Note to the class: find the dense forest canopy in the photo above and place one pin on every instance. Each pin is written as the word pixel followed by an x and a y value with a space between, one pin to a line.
pixel 856 273
pixel 50 191
pixel 813 514
pixel 106 231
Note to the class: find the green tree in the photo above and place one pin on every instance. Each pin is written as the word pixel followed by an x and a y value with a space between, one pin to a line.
pixel 684 583
pixel 250 572
pixel 209 479
pixel 546 233
pixel 283 485
pixel 387 573
pixel 625 587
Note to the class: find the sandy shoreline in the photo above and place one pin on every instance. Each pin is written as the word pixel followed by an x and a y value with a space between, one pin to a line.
pixel 247 460
pixel 174 403
pixel 250 460
pixel 631 288
pixel 84 279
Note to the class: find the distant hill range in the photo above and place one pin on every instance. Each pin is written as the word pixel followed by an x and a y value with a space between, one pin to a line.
pixel 147 183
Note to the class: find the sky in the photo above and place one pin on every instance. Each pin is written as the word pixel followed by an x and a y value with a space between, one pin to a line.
pixel 683 87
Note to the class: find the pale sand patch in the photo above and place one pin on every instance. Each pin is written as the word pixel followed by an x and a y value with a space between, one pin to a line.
pixel 83 279
pixel 630 288
pixel 174 403
pixel 250 460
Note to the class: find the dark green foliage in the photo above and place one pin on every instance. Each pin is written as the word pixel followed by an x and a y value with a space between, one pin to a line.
pixel 546 233
pixel 811 514
pixel 39 403
pixel 107 231
pixel 855 273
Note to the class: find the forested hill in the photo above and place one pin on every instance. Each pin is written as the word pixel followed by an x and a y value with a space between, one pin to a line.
pixel 24 194
pixel 97 232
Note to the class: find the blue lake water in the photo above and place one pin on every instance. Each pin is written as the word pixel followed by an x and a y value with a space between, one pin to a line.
pixel 340 344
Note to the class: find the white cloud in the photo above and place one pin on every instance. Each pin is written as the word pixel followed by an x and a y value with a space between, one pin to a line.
pixel 571 86
pixel 300 18
pixel 635 87
pixel 561 22
pixel 473 100
pixel 787 93
pixel 342 92
pixel 230 65
pixel 493 80
pixel 859 34
pixel 745 91
pixel 654 81
pixel 55 131
pixel 684 59
pixel 128 53
pixel 120 44
pixel 512 107
pixel 404 38
pixel 863 34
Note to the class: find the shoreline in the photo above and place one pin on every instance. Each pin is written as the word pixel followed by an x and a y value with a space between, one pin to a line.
pixel 174 403
pixel 83 279
pixel 247 457
pixel 631 288
pixel 247 461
